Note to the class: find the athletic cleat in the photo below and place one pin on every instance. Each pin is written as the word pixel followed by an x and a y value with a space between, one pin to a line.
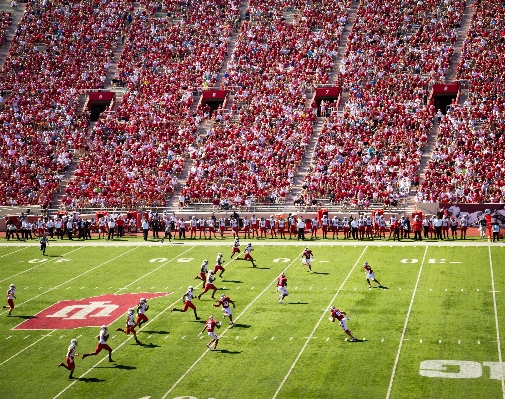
pixel 61 364
pixel 353 339
pixel 162 240
pixel 111 361
pixel 280 301
pixel 214 349
pixel 198 318
pixel 118 329
pixel 208 346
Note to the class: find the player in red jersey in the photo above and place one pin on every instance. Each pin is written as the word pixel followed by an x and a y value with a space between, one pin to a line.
pixel 70 364
pixel 210 326
pixel 282 283
pixel 306 255
pixel 209 285
pixel 142 308
pixel 130 325
pixel 219 265
pixel 236 247
pixel 187 298
pixel 342 319
pixel 247 254
pixel 225 301
pixel 203 271
pixel 370 275
pixel 102 337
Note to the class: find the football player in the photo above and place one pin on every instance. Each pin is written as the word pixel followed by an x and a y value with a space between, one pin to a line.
pixel 219 265
pixel 247 254
pixel 209 285
pixel 130 325
pixel 102 337
pixel 70 358
pixel 187 298
pixel 142 308
pixel 306 255
pixel 236 247
pixel 342 319
pixel 282 283
pixel 210 326
pixel 225 301
pixel 11 295
pixel 370 275
pixel 203 271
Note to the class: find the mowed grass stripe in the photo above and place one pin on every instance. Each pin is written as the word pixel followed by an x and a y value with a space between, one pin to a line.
pixel 453 317
pixel 495 308
pixel 45 261
pixel 317 325
pixel 274 281
pixel 270 334
pixel 74 278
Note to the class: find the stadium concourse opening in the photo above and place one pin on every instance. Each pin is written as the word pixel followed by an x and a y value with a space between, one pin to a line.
pixel 99 102
pixel 213 100
pixel 331 97
pixel 444 95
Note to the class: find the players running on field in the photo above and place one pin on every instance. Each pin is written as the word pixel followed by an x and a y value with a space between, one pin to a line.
pixel 282 283
pixel 102 337
pixel 187 298
pixel 370 275
pixel 342 319
pixel 71 353
pixel 11 295
pixel 210 326
pixel 225 301
pixel 130 325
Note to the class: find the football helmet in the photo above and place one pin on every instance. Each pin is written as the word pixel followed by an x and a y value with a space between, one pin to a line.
pixel 73 342
pixel 365 264
pixel 205 261
pixel 211 317
pixel 223 296
pixel 190 288
pixel 143 300
pixel 131 310
pixel 283 275
pixel 211 272
pixel 12 286
pixel 333 307
pixel 104 328
pixel 220 254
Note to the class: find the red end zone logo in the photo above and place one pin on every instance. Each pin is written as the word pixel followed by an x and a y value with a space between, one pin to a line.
pixel 89 312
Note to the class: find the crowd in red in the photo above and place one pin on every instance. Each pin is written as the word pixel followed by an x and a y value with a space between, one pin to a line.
pixel 372 152
pixel 468 164
pixel 59 49
pixel 135 156
pixel 255 151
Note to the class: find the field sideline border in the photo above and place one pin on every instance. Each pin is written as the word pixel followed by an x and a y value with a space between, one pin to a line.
pixel 229 243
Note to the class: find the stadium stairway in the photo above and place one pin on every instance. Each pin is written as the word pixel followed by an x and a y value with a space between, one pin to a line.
pixel 17 14
pixel 450 76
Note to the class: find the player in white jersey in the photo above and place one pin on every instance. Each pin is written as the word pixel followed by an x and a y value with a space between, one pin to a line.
pixel 71 353
pixel 130 325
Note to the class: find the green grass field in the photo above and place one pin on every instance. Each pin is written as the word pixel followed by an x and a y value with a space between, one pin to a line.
pixel 443 302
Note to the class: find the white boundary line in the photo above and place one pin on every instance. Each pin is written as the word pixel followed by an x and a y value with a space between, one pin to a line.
pixel 73 278
pixel 496 318
pixel 119 346
pixel 152 271
pixel 316 326
pixel 39 264
pixel 245 309
pixel 405 326
pixel 29 346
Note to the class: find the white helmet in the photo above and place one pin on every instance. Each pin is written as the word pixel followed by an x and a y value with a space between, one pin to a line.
pixel 365 264
pixel 220 254
pixel 103 328
pixel 306 248
pixel 223 296
pixel 12 286
pixel 131 310
pixel 211 317
pixel 333 307
pixel 205 261
pixel 249 245
pixel 236 238
pixel 283 275
pixel 211 272
pixel 190 288
pixel 73 342
pixel 143 300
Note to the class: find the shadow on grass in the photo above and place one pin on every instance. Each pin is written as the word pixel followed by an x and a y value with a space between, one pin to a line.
pixel 263 268
pixel 232 281
pixel 238 325
pixel 54 256
pixel 117 366
pixel 92 379
pixel 150 345
pixel 229 352
pixel 320 273
pixel 298 303
pixel 25 317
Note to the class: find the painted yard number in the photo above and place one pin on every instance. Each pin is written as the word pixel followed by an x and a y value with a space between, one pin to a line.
pixel 459 369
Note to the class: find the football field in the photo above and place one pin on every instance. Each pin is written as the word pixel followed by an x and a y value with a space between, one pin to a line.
pixel 435 331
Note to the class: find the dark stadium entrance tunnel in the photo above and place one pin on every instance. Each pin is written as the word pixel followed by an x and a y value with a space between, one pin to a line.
pixel 214 105
pixel 97 108
pixel 443 102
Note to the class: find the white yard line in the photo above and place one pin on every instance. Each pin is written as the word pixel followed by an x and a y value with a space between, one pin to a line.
pixel 152 271
pixel 73 278
pixel 405 326
pixel 227 328
pixel 119 346
pixel 29 346
pixel 496 318
pixel 317 325
pixel 13 252
pixel 38 264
